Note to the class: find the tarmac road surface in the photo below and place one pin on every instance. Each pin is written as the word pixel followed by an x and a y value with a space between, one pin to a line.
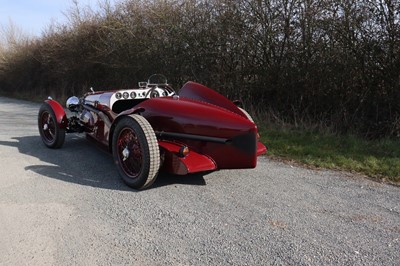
pixel 69 207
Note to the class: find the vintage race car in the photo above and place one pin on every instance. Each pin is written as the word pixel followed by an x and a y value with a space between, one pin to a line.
pixel 153 128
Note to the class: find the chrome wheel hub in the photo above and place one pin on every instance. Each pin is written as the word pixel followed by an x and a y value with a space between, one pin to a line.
pixel 125 154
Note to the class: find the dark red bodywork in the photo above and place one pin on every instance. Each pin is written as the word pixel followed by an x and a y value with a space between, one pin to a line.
pixel 218 134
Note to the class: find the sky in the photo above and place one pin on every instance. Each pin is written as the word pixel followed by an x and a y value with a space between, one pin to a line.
pixel 33 16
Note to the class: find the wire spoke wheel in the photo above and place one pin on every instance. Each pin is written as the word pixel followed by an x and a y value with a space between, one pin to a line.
pixel 52 135
pixel 130 155
pixel 48 126
pixel 135 151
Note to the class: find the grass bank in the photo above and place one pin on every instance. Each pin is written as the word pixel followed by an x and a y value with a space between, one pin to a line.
pixel 375 158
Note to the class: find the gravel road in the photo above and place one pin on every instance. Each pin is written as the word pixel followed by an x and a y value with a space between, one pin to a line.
pixel 69 207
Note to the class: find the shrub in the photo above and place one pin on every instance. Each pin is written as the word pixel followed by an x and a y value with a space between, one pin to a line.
pixel 335 63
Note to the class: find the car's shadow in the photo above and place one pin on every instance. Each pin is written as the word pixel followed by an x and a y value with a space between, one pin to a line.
pixel 82 162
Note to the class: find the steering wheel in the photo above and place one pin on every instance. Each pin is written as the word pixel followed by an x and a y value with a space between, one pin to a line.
pixel 159 87
pixel 154 93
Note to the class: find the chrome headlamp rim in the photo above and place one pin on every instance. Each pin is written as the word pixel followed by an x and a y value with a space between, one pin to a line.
pixel 72 103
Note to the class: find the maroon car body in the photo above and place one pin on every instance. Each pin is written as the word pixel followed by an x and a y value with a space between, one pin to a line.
pixel 153 128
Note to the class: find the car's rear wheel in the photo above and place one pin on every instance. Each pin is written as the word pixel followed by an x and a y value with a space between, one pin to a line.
pixel 136 152
pixel 52 135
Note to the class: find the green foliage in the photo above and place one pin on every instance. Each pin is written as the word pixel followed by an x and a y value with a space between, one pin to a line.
pixel 332 61
pixel 375 158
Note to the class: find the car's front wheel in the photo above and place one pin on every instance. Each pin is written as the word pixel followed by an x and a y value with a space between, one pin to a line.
pixel 135 151
pixel 52 135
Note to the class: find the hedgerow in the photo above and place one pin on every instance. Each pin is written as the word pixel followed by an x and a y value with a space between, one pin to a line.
pixel 327 62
